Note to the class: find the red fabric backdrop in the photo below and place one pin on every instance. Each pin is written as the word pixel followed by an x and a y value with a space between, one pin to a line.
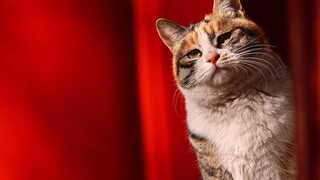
pixel 86 89
pixel 68 99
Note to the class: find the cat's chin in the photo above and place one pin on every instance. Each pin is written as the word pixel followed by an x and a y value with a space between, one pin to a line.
pixel 222 77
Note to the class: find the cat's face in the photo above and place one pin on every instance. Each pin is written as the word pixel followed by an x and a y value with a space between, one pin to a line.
pixel 225 48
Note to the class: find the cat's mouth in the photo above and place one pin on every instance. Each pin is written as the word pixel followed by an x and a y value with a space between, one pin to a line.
pixel 222 68
pixel 220 74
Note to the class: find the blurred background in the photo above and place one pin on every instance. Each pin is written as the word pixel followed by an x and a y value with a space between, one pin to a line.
pixel 87 92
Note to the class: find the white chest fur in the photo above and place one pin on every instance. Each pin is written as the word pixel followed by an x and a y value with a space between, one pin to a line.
pixel 248 129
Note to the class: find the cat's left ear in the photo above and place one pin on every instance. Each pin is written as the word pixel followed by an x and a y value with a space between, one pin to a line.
pixel 170 32
pixel 228 8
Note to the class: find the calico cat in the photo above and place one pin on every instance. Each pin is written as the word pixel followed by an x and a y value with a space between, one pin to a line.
pixel 237 93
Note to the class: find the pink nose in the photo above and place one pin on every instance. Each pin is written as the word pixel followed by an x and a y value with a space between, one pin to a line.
pixel 213 58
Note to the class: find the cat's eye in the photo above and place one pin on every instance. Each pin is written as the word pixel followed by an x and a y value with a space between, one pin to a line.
pixel 223 38
pixel 194 54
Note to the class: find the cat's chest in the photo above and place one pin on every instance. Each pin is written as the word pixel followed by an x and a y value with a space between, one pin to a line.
pixel 235 127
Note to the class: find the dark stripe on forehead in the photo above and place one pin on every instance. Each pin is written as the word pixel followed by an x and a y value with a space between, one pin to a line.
pixel 211 37
pixel 248 31
pixel 206 21
pixel 192 27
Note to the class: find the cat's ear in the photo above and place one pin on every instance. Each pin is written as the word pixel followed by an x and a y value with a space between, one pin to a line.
pixel 229 8
pixel 170 32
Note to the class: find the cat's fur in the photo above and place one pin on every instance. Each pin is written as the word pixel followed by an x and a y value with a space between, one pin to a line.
pixel 237 93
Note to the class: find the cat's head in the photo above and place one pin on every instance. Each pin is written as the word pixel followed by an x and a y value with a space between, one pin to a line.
pixel 225 49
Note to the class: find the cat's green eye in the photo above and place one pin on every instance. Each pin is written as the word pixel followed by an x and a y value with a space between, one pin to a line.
pixel 194 54
pixel 223 38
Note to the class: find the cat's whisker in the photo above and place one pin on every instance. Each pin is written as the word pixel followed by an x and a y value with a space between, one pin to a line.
pixel 273 56
pixel 252 50
pixel 181 104
pixel 263 66
pixel 243 48
pixel 264 61
pixel 253 66
pixel 175 101
pixel 246 56
pixel 236 66
pixel 247 61
pixel 262 53
pixel 277 57
pixel 245 69
pixel 264 45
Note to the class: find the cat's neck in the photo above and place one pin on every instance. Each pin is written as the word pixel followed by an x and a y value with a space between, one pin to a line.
pixel 208 97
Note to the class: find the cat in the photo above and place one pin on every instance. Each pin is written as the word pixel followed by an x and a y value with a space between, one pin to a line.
pixel 237 93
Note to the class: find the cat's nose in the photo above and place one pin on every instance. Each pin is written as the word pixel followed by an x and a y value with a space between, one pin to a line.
pixel 213 58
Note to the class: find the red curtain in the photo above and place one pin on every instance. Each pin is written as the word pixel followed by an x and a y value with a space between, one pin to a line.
pixel 86 88
pixel 303 23
pixel 68 98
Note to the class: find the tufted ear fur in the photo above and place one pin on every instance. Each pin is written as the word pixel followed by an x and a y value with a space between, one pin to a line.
pixel 170 32
pixel 228 8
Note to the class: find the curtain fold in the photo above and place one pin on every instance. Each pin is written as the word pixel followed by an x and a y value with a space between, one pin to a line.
pixel 152 95
pixel 317 50
pixel 298 50
pixel 303 20
pixel 163 132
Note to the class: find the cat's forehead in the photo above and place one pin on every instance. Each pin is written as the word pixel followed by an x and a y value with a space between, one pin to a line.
pixel 208 27
pixel 214 25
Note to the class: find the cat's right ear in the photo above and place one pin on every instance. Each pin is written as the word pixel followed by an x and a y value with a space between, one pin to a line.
pixel 230 8
pixel 170 32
